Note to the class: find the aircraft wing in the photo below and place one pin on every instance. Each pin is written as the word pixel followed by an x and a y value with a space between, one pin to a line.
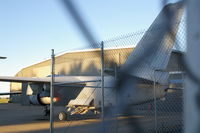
pixel 10 93
pixel 24 79
pixel 58 80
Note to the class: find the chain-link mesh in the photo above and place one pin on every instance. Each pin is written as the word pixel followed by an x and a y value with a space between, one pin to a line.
pixel 85 103
pixel 143 74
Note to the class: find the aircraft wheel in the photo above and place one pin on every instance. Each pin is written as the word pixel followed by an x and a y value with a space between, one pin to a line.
pixel 62 116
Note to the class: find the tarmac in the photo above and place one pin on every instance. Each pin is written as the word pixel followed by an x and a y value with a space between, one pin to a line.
pixel 15 118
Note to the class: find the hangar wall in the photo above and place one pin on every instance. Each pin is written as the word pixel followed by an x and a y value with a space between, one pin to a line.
pixel 77 63
pixel 86 63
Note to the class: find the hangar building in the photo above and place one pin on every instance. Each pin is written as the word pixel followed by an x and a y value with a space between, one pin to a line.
pixel 84 63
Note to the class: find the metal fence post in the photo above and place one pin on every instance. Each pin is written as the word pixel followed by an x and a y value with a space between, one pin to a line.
pixel 116 100
pixel 155 105
pixel 102 80
pixel 52 91
pixel 192 89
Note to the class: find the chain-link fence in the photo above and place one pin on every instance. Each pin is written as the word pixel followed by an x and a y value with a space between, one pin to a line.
pixel 134 84
pixel 151 99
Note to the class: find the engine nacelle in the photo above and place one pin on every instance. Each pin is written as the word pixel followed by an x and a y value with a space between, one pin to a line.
pixel 37 100
pixel 42 98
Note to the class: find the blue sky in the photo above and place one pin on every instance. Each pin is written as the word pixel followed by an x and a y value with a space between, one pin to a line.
pixel 29 29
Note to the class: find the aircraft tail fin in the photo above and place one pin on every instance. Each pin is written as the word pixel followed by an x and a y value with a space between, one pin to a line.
pixel 154 49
